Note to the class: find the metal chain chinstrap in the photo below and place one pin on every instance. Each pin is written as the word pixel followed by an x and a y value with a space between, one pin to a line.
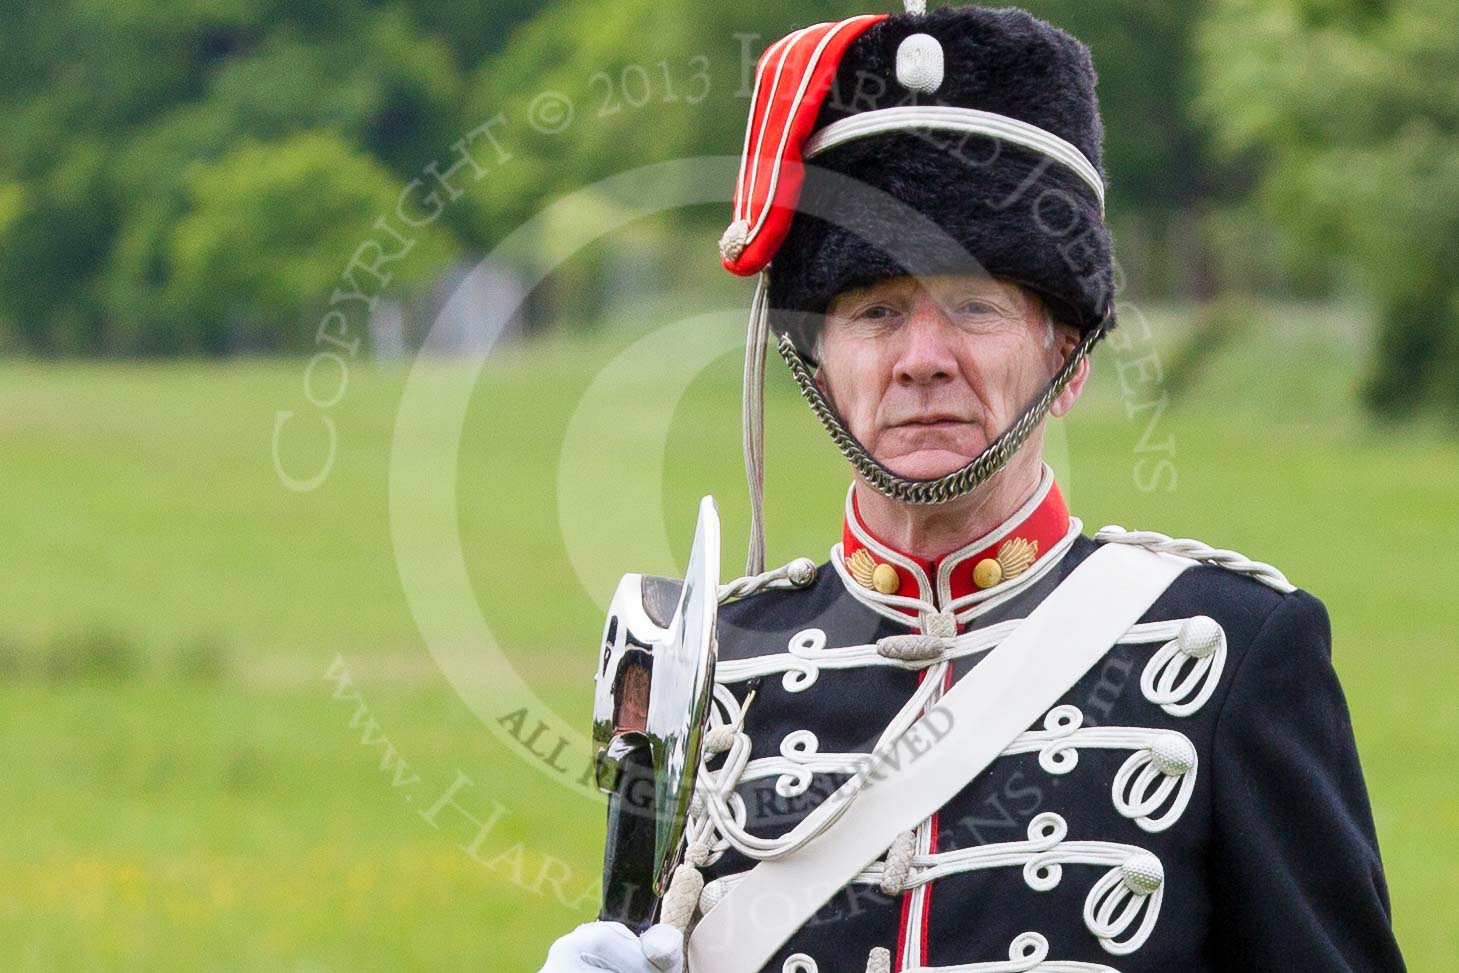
pixel 958 482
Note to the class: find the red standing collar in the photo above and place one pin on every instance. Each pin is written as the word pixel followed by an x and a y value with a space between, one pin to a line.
pixel 998 556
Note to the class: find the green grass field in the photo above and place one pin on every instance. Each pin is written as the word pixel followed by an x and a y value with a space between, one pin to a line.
pixel 186 786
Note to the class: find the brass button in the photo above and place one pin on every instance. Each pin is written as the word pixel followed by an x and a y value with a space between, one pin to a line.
pixel 987 573
pixel 885 580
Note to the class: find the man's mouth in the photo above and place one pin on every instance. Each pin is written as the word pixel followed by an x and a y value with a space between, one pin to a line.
pixel 933 421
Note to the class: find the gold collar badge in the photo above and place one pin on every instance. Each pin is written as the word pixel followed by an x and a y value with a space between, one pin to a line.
pixel 1014 557
pixel 869 574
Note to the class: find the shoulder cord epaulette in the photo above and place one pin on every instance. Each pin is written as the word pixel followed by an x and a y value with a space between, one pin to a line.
pixel 798 573
pixel 1197 551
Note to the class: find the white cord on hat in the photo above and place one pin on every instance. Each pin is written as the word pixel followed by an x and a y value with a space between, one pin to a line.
pixel 948 118
pixel 752 409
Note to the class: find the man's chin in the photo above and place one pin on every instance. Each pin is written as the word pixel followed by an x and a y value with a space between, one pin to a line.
pixel 927 464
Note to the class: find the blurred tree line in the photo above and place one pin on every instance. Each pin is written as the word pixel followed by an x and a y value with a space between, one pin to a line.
pixel 192 176
pixel 1348 113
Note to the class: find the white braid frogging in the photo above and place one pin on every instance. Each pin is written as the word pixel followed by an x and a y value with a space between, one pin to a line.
pixel 1029 953
pixel 714 792
pixel 1120 910
pixel 1180 676
pixel 1152 787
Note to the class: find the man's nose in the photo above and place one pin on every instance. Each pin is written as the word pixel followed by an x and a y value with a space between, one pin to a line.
pixel 926 353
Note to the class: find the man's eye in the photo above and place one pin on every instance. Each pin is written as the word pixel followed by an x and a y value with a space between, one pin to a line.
pixel 877 312
pixel 977 307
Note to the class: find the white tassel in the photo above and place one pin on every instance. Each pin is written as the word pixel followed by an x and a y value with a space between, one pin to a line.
pixel 916 7
pixel 734 240
pixel 683 896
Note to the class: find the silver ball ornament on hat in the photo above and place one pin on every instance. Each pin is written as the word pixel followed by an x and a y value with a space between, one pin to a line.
pixel 919 57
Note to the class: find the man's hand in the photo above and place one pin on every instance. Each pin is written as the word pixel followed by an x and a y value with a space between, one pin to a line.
pixel 598 946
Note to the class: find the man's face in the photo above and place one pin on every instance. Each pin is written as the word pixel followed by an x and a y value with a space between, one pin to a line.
pixel 926 372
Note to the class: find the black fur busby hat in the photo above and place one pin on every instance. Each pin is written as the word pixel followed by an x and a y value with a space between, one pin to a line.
pixel 964 141
pixel 1011 211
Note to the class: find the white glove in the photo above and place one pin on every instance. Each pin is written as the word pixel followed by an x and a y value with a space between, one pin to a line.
pixel 611 946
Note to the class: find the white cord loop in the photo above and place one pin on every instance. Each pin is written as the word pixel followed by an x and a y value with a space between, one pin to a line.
pixel 1123 897
pixel 1161 776
pixel 1183 674
pixel 799 573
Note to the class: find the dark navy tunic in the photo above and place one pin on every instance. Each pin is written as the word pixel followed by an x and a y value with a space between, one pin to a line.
pixel 1270 864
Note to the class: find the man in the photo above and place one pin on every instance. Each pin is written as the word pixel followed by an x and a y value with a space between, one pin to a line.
pixel 1192 799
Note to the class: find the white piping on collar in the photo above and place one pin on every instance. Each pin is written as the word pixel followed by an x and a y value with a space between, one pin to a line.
pixel 884 605
pixel 924 584
pixel 967 607
pixel 972 605
pixel 950 561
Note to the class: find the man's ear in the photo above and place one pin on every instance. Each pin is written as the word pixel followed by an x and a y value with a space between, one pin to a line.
pixel 1072 391
pixel 1067 339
